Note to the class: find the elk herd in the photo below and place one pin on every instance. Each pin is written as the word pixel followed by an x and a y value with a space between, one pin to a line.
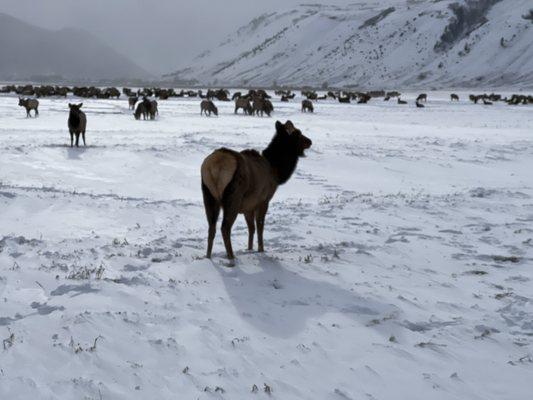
pixel 235 182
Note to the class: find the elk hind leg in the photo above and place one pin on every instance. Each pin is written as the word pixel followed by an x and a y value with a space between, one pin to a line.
pixel 212 210
pixel 251 229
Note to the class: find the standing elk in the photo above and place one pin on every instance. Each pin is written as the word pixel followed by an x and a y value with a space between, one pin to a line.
pixel 140 111
pixel 243 103
pixel 30 104
pixel 132 101
pixel 77 123
pixel 245 182
pixel 307 106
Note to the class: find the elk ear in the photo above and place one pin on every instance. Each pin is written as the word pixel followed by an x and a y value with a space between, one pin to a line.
pixel 80 105
pixel 69 105
pixel 290 127
pixel 280 128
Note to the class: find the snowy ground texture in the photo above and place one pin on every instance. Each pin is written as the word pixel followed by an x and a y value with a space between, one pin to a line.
pixel 399 260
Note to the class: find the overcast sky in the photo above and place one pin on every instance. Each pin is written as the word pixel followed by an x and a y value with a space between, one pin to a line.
pixel 157 34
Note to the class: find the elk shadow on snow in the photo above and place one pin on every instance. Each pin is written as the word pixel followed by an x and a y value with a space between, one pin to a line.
pixel 74 153
pixel 280 302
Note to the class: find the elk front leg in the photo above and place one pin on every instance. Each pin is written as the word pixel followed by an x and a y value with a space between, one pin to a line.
pixel 260 222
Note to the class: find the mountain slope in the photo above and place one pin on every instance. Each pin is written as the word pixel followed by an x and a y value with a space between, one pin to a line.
pixel 376 44
pixel 27 50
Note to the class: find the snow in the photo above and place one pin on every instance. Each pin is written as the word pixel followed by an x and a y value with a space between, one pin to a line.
pixel 398 257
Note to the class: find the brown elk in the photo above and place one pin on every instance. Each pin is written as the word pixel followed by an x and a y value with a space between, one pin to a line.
pixel 307 106
pixel 245 182
pixel 30 104
pixel 243 103
pixel 261 105
pixel 77 123
pixel 207 106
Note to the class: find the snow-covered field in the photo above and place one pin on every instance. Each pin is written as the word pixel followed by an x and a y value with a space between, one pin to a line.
pixel 398 264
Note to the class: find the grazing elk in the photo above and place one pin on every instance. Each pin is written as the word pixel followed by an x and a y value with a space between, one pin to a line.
pixel 307 106
pixel 245 182
pixel 422 97
pixel 30 104
pixel 77 123
pixel 244 104
pixel 454 97
pixel 207 106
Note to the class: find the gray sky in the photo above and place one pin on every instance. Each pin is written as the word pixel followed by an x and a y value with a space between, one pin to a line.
pixel 157 34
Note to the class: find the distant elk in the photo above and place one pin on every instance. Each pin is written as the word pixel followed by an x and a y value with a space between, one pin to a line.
pixel 422 97
pixel 245 182
pixel 454 97
pixel 150 107
pixel 307 106
pixel 30 104
pixel 364 98
pixel 345 99
pixel 140 111
pixel 262 106
pixel 244 104
pixel 132 100
pixel 77 123
pixel 207 106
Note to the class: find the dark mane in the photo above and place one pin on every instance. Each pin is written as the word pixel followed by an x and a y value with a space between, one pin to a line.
pixel 251 152
pixel 282 153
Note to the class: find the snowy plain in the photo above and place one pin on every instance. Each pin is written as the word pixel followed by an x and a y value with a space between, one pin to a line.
pixel 398 263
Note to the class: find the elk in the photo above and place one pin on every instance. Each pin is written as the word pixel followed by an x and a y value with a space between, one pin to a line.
pixel 244 104
pixel 207 106
pixel 140 111
pixel 77 123
pixel 261 105
pixel 421 97
pixel 454 97
pixel 245 182
pixel 307 106
pixel 132 101
pixel 30 104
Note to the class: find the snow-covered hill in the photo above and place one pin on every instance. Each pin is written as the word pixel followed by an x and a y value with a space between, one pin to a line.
pixel 413 43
